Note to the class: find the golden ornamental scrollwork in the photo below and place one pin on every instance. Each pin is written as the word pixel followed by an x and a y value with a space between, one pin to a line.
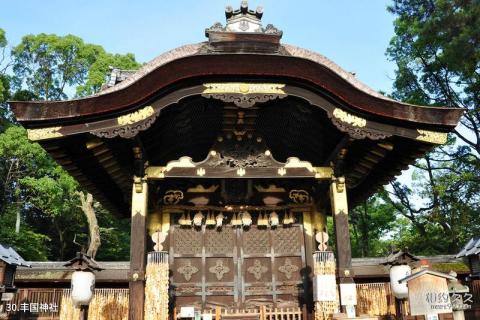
pixel 242 94
pixel 348 118
pixel 244 88
pixel 44 133
pixel 432 136
pixel 299 196
pixel 136 116
pixel 172 197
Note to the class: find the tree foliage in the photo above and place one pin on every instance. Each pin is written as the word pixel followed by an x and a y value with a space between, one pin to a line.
pixel 39 210
pixel 49 65
pixel 436 48
pixel 369 224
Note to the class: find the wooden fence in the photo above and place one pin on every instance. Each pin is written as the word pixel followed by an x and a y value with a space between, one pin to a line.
pixel 373 299
pixel 38 304
pixel 261 313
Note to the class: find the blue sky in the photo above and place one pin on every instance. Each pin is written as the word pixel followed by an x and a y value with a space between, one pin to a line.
pixel 353 33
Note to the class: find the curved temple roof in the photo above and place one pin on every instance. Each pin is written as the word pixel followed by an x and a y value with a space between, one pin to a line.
pixel 193 61
pixel 241 64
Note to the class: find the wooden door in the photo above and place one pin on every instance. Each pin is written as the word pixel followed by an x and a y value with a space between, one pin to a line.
pixel 236 267
pixel 203 265
pixel 272 264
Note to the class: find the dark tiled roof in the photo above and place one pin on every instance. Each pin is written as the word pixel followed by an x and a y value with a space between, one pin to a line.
pixel 10 256
pixel 470 249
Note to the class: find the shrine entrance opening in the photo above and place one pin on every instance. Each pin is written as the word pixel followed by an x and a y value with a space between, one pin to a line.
pixel 237 266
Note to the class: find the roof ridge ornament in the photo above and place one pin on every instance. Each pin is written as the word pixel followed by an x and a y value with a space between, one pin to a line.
pixel 243 19
pixel 243 32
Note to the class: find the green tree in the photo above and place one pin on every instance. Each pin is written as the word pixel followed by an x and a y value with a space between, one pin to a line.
pixel 436 48
pixel 370 223
pixel 437 51
pixel 101 68
pixel 38 207
pixel 49 65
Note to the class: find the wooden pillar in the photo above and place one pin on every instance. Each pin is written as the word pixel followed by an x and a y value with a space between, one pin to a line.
pixel 338 198
pixel 138 250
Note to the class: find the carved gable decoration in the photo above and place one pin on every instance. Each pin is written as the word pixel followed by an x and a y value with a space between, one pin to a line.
pixel 243 94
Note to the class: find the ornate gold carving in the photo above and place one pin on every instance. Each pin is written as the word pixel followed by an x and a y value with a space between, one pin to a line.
pixel 288 268
pixel 340 182
pixel 136 116
pixel 155 172
pixel 271 188
pixel 257 269
pixel 294 162
pixel 241 172
pixel 183 162
pixel 137 181
pixel 172 197
pixel 244 95
pixel 219 269
pixel 432 136
pixel 187 270
pixel 299 196
pixel 201 189
pixel 349 118
pixel 323 172
pixel 43 133
pixel 244 88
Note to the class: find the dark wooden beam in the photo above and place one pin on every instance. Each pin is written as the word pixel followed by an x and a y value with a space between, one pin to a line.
pixel 343 143
pixel 138 245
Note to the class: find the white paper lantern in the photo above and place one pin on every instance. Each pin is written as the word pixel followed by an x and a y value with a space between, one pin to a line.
pixel 83 284
pixel 400 290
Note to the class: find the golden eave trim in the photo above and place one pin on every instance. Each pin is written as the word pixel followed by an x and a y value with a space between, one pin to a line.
pixel 136 116
pixel 244 88
pixel 44 133
pixel 432 136
pixel 348 118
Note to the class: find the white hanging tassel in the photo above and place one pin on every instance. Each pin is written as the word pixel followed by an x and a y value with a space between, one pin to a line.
pixel 219 220
pixel 210 220
pixel 198 219
pixel 286 219
pixel 292 218
pixel 182 219
pixel 274 220
pixel 235 220
pixel 246 219
pixel 188 220
pixel 262 220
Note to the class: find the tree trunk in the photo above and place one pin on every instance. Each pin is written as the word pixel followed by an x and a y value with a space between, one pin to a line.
pixel 87 208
